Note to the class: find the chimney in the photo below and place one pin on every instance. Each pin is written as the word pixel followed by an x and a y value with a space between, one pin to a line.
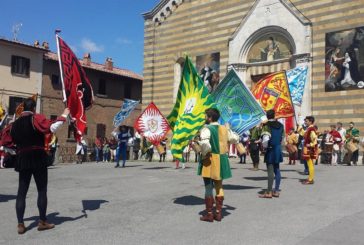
pixel 87 59
pixel 36 43
pixel 109 64
pixel 45 45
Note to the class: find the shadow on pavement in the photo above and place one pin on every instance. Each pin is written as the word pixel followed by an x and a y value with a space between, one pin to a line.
pixel 91 205
pixel 155 168
pixel 238 187
pixel 259 178
pixel 53 218
pixel 132 166
pixel 189 200
pixel 6 198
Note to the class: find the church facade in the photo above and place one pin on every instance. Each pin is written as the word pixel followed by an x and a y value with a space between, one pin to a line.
pixel 258 37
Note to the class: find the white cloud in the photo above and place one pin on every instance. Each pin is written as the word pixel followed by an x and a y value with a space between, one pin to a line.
pixel 123 41
pixel 74 48
pixel 90 46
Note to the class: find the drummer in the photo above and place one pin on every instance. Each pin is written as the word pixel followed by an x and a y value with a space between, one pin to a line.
pixel 335 139
pixel 352 137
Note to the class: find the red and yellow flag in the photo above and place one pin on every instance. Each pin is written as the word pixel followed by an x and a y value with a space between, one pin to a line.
pixel 272 92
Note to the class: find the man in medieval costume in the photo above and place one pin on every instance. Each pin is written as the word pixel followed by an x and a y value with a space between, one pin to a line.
pixel 28 133
pixel 214 165
pixel 310 149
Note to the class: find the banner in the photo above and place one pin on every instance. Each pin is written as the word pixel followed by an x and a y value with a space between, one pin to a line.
pixel 188 114
pixel 127 107
pixel 236 104
pixel 297 78
pixel 77 89
pixel 272 92
pixel 152 125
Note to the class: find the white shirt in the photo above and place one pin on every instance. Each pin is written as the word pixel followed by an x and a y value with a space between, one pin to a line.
pixel 205 135
pixel 342 132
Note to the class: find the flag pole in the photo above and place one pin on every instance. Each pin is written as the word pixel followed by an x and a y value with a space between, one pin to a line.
pixel 69 119
pixel 60 67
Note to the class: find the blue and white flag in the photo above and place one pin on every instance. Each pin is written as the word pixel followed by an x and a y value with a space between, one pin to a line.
pixel 297 78
pixel 236 104
pixel 126 109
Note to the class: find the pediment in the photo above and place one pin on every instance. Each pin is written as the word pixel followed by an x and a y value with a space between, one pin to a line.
pixel 270 17
pixel 268 6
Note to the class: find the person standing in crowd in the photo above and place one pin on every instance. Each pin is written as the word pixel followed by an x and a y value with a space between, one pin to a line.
pixel 342 132
pixel 254 146
pixel 273 155
pixel 28 134
pixel 292 140
pixel 80 151
pixel 150 151
pixel 163 155
pixel 186 153
pixel 7 148
pixel 113 145
pixel 123 138
pixel 244 139
pixel 98 149
pixel 310 148
pixel 335 139
pixel 106 151
pixel 136 146
pixel 196 147
pixel 352 144
pixel 214 166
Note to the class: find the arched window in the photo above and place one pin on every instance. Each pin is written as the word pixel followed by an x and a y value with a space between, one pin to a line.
pixel 270 47
pixel 178 66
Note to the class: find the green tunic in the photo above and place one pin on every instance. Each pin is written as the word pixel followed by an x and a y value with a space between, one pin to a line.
pixel 216 166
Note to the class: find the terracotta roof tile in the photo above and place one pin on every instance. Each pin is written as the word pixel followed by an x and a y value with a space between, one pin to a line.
pixel 100 67
pixel 40 48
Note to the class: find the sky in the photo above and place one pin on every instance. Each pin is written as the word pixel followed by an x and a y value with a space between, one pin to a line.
pixel 104 28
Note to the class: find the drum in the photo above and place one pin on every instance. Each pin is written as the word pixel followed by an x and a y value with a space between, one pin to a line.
pixel 241 149
pixel 351 147
pixel 160 149
pixel 196 147
pixel 328 147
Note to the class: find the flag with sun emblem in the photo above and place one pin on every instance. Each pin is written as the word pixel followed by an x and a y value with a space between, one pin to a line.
pixel 152 125
pixel 236 104
pixel 188 114
pixel 272 92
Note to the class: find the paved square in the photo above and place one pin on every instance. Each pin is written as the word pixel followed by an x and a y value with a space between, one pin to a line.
pixel 153 203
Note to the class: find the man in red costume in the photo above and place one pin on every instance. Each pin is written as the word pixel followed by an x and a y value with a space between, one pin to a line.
pixel 335 139
pixel 310 150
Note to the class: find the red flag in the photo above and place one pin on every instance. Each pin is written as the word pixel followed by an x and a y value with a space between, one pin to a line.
pixel 152 125
pixel 272 92
pixel 77 90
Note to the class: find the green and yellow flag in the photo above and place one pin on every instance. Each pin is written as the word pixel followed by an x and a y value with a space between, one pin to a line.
pixel 188 114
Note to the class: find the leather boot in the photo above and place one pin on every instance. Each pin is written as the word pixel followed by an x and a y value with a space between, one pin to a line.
pixel 219 203
pixel 209 217
pixel 44 225
pixel 21 228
